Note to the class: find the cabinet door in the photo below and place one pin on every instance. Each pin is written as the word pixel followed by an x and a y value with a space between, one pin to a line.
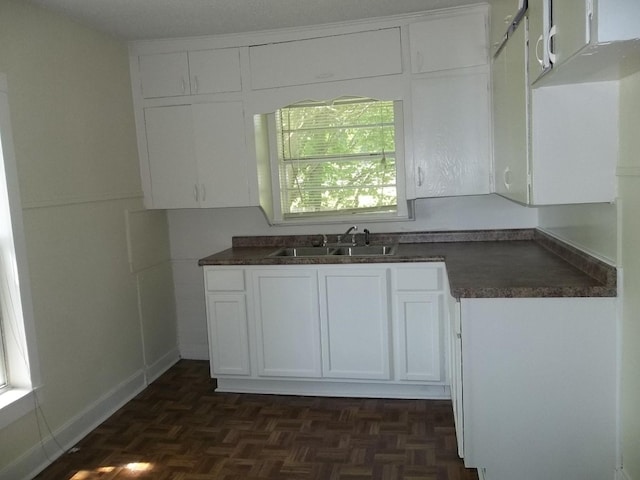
pixel 164 74
pixel 457 41
pixel 287 322
pixel 539 24
pixel 214 71
pixel 510 117
pixel 338 57
pixel 530 366
pixel 171 152
pixel 452 131
pixel 228 334
pixel 355 323
pixel 221 154
pixel 455 365
pixel 417 336
pixel 571 28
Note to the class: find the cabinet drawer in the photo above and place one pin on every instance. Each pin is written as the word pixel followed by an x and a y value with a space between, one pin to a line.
pixel 224 280
pixel 339 57
pixel 418 279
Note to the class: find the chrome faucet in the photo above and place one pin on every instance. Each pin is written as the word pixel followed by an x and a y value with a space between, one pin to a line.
pixel 353 228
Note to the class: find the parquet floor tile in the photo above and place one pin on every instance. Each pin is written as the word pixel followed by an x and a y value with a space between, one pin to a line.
pixel 180 429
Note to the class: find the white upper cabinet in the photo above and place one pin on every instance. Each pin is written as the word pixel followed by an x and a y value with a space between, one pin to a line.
pixel 445 43
pixel 164 75
pixel 215 71
pixel 539 30
pixel 337 57
pixel 193 73
pixel 452 134
pixel 554 144
pixel 171 154
pixel 510 113
pixel 587 40
pixel 574 143
pixel 197 155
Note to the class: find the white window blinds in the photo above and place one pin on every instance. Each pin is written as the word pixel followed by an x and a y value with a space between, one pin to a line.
pixel 337 157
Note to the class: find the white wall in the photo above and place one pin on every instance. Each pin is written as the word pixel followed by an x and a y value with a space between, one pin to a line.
pixel 629 188
pixel 76 154
pixel 198 233
pixel 589 227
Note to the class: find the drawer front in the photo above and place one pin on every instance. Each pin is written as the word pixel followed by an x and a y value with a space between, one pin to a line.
pixel 224 280
pixel 418 279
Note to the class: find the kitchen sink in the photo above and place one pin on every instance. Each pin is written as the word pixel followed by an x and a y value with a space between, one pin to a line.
pixel 367 250
pixel 303 252
pixel 350 251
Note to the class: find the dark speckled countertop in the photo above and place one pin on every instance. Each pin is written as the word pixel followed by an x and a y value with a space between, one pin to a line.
pixel 480 264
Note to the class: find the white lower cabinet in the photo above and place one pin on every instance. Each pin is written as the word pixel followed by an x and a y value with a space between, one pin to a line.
pixel 345 330
pixel 227 321
pixel 417 322
pixel 355 323
pixel 539 380
pixel 287 325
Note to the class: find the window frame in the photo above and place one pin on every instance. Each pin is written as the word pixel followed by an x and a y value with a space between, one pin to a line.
pixel 22 361
pixel 402 210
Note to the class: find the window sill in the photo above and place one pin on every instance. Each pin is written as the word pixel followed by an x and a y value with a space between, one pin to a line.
pixel 14 404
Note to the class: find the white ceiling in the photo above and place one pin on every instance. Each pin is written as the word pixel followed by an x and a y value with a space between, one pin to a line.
pixel 146 19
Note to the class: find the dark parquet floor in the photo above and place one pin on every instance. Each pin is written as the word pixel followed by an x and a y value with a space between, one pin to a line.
pixel 180 429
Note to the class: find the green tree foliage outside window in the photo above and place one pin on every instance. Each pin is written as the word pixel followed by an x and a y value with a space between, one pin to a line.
pixel 337 157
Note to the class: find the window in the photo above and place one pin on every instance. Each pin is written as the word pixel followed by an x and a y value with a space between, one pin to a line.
pixel 19 372
pixel 337 158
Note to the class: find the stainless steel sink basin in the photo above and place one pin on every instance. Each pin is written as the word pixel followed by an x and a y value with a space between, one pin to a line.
pixel 303 252
pixel 367 250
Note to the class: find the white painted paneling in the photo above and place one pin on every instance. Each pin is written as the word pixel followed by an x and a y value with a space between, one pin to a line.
pixel 147 238
pixel 157 312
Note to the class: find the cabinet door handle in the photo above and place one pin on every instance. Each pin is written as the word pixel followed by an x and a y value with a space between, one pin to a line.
pixel 204 192
pixel 184 86
pixel 325 75
pixel 420 177
pixel 540 61
pixel 506 178
pixel 419 62
pixel 195 192
pixel 552 54
pixel 195 83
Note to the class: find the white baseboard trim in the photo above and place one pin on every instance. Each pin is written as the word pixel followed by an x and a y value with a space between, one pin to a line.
pixel 35 459
pixel 163 364
pixel 622 475
pixel 325 388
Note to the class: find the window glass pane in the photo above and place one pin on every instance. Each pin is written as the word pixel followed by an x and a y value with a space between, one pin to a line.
pixel 337 157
